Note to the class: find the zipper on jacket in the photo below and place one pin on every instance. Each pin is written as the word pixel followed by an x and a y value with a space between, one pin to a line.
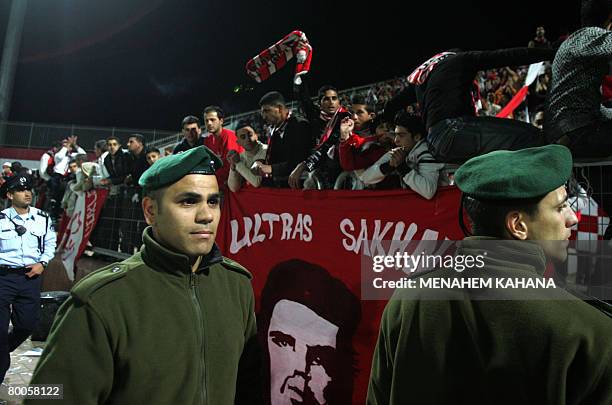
pixel 198 309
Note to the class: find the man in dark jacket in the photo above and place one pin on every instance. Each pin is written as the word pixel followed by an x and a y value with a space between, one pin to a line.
pixel 290 141
pixel 132 238
pixel 192 134
pixel 447 94
pixel 173 324
pixel 118 164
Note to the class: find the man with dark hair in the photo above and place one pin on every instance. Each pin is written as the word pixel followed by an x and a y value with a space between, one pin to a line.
pixel 118 165
pixel 192 134
pixel 241 164
pixel 411 160
pixel 447 94
pixel 152 155
pixel 133 228
pixel 490 343
pixel 363 116
pixel 321 116
pixel 320 113
pixel 174 323
pixel 306 325
pixel 539 41
pixel 220 140
pixel 290 141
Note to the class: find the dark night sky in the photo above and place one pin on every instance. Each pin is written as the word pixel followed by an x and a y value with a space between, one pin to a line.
pixel 148 63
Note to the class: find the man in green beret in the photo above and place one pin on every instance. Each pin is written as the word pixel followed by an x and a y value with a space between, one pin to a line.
pixel 173 324
pixel 497 344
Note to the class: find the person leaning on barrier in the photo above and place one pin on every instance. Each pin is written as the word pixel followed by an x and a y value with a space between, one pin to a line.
pixel 411 160
pixel 500 348
pixel 27 244
pixel 173 324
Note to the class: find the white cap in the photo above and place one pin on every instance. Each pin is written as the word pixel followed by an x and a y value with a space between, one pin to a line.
pixel 6 164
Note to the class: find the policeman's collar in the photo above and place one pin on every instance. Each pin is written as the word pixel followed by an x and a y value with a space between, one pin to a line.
pixel 13 213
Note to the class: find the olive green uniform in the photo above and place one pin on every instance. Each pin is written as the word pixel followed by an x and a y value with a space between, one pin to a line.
pixel 149 331
pixel 534 351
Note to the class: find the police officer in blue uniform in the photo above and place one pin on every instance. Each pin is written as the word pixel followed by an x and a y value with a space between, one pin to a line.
pixel 27 243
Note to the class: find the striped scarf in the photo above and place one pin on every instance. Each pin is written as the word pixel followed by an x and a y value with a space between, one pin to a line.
pixel 270 60
pixel 420 74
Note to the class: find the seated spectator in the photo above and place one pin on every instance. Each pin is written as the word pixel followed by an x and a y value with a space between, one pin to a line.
pixel 152 155
pixel 192 134
pixel 168 151
pixel 220 140
pixel 411 159
pixel 290 141
pixel 241 164
pixel 447 96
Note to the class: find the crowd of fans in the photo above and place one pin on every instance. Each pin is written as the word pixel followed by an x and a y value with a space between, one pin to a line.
pixel 380 137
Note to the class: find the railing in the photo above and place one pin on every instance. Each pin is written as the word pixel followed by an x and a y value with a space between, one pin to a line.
pixel 36 135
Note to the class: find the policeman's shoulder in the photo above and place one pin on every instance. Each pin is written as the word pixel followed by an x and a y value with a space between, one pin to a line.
pixel 42 213
pixel 236 267
pixel 96 282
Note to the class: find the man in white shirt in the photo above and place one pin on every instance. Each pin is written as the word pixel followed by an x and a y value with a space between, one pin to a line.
pixel 57 185
pixel 240 164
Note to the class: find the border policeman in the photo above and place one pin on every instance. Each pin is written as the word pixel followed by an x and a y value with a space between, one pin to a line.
pixel 27 244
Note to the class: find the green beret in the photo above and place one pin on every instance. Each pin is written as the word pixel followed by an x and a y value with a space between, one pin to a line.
pixel 170 169
pixel 508 175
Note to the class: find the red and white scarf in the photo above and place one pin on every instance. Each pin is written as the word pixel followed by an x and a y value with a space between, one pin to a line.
pixel 420 74
pixel 271 59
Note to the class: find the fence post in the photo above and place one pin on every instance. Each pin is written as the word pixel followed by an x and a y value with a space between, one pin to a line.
pixel 30 137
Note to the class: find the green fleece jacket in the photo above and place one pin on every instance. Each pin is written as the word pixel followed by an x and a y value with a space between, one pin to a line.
pixel 531 350
pixel 149 331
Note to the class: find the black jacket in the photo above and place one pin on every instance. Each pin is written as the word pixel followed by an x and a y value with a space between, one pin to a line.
pixel 184 146
pixel 287 151
pixel 447 91
pixel 119 167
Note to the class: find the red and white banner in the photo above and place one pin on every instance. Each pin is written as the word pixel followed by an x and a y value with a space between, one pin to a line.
pixel 75 233
pixel 535 70
pixel 304 251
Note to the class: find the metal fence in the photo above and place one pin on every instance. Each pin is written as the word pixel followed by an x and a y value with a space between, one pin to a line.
pixel 37 135
pixel 40 135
